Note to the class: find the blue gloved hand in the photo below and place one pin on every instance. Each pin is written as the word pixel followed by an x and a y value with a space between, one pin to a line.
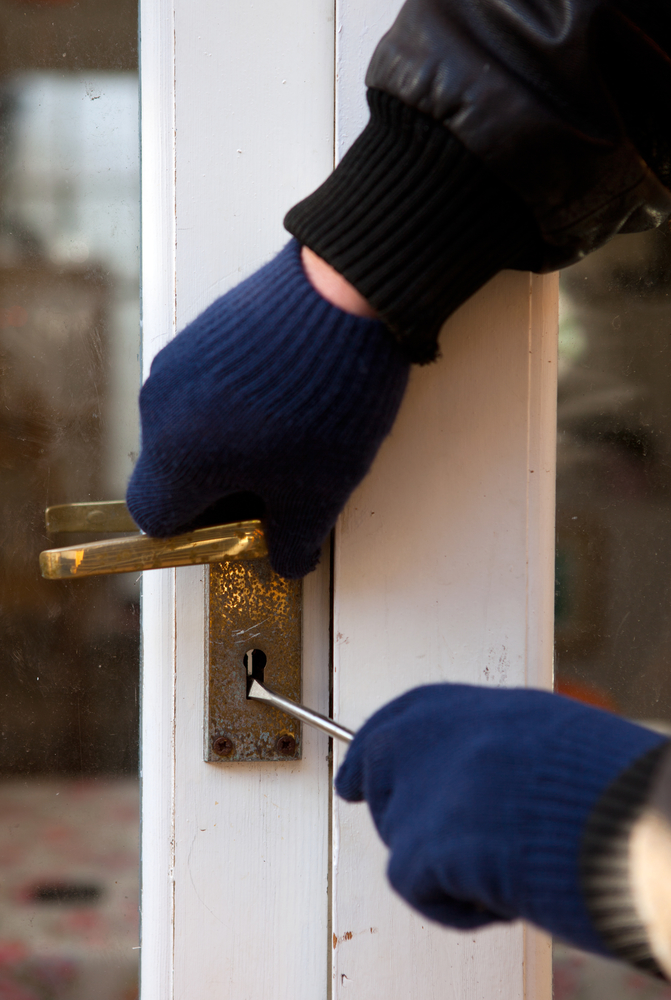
pixel 272 403
pixel 482 796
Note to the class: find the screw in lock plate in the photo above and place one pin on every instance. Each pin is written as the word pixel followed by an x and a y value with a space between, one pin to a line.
pixel 286 745
pixel 223 746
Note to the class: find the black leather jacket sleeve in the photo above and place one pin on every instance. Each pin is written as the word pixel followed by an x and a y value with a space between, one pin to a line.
pixel 503 133
pixel 553 96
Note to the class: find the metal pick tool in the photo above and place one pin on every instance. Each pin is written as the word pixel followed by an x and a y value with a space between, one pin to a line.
pixel 259 692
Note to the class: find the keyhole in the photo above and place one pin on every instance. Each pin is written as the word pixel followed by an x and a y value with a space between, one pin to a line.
pixel 255 663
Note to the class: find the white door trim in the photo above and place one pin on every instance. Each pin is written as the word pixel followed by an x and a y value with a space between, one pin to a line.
pixel 237 124
pixel 157 137
pixel 444 563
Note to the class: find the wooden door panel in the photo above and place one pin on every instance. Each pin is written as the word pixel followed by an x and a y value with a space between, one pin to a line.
pixel 443 565
pixel 237 125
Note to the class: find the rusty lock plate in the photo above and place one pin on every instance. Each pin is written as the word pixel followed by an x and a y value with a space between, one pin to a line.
pixel 251 607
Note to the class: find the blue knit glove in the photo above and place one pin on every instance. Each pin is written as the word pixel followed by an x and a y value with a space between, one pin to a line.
pixel 272 403
pixel 482 796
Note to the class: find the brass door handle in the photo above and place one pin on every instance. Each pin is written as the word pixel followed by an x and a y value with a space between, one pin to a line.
pixel 109 515
pixel 137 552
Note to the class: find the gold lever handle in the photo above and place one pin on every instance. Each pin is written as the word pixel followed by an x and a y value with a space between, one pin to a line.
pixel 109 515
pixel 243 540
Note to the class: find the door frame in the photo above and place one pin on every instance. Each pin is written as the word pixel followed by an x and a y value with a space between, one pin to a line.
pixel 249 872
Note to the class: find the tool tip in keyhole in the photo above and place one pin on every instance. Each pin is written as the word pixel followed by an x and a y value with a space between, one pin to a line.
pixel 254 689
pixel 255 663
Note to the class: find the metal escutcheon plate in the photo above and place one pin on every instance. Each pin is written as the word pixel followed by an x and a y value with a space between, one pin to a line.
pixel 251 607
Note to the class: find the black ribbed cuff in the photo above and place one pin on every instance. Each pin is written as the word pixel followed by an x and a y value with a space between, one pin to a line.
pixel 604 862
pixel 415 222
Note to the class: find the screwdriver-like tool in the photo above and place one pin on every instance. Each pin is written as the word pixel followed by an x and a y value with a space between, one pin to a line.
pixel 259 692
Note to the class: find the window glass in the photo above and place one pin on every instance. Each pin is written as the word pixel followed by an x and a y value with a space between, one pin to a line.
pixel 613 567
pixel 69 372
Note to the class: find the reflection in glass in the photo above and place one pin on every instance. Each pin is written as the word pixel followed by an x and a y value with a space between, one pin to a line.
pixel 69 343
pixel 613 566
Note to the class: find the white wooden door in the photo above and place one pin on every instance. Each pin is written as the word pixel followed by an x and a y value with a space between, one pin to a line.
pixel 257 881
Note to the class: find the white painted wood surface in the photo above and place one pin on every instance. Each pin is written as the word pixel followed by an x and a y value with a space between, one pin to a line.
pixel 158 659
pixel 237 126
pixel 443 572
pixel 251 840
pixel 359 26
pixel 254 95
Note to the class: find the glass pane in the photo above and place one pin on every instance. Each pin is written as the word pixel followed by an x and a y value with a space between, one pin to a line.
pixel 613 586
pixel 69 345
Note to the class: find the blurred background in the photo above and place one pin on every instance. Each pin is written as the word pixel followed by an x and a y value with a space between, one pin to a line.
pixel 613 565
pixel 69 373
